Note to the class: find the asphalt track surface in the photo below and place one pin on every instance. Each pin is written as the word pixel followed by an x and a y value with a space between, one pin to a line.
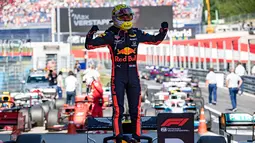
pixel 245 104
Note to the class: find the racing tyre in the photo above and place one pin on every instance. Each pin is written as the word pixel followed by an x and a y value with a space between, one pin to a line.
pixel 46 108
pixel 28 124
pixel 108 112
pixel 52 118
pixel 51 104
pixel 60 103
pixel 150 112
pixel 208 118
pixel 34 138
pixel 37 115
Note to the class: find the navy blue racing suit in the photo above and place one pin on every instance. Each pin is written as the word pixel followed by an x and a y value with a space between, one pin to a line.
pixel 124 78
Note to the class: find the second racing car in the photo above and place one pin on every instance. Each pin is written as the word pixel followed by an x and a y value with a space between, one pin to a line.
pixel 180 103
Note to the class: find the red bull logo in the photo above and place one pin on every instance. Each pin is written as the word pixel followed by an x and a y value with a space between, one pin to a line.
pixel 126 51
pixel 125 59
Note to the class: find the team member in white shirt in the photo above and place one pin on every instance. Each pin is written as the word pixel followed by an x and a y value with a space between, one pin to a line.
pixel 71 84
pixel 233 82
pixel 211 83
pixel 60 84
pixel 90 75
pixel 240 70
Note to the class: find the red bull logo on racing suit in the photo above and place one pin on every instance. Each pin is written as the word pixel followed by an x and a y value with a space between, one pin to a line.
pixel 126 51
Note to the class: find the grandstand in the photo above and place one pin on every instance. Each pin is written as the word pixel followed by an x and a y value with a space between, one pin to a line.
pixel 37 14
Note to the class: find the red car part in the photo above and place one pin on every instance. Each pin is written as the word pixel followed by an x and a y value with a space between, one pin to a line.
pixel 15 119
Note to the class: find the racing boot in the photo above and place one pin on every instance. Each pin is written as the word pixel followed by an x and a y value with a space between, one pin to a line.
pixel 119 139
pixel 135 138
pixel 132 140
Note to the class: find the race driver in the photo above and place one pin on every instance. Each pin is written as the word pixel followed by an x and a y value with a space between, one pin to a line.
pixel 123 40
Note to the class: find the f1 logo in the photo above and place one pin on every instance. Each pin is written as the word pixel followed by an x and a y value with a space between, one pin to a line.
pixel 175 121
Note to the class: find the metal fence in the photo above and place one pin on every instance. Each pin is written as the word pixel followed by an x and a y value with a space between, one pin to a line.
pixel 240 18
pixel 12 73
pixel 203 57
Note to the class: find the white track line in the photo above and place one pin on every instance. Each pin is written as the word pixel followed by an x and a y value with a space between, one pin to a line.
pixel 213 110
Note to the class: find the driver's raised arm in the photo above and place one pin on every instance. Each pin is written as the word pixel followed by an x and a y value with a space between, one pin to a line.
pixel 154 39
pixel 102 40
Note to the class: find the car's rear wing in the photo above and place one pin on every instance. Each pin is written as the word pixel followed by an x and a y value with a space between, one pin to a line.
pixel 235 120
pixel 12 119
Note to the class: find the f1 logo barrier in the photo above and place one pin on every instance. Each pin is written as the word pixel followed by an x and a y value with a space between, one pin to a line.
pixel 175 128
pixel 175 121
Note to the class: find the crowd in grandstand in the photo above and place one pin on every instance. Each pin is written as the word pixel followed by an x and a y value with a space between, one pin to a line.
pixel 22 12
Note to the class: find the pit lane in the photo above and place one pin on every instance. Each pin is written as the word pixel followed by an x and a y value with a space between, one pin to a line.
pixel 244 105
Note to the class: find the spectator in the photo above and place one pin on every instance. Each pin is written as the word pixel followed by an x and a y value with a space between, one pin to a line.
pixel 52 78
pixel 71 84
pixel 90 75
pixel 60 85
pixel 211 83
pixel 240 70
pixel 251 26
pixel 77 67
pixel 233 83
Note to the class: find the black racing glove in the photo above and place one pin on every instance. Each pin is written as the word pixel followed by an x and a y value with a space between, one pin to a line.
pixel 94 29
pixel 90 34
pixel 164 27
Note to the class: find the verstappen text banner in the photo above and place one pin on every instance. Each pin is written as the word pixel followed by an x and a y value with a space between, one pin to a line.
pixel 148 17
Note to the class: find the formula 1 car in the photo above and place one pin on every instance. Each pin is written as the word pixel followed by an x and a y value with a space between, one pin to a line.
pixel 34 116
pixel 152 73
pixel 238 120
pixel 164 76
pixel 57 119
pixel 145 73
pixel 148 122
pixel 184 84
pixel 161 97
pixel 179 103
pixel 16 119
pixel 34 98
pixel 36 81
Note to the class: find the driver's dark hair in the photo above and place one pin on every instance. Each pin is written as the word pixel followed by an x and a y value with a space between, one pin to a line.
pixel 211 69
pixel 60 73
